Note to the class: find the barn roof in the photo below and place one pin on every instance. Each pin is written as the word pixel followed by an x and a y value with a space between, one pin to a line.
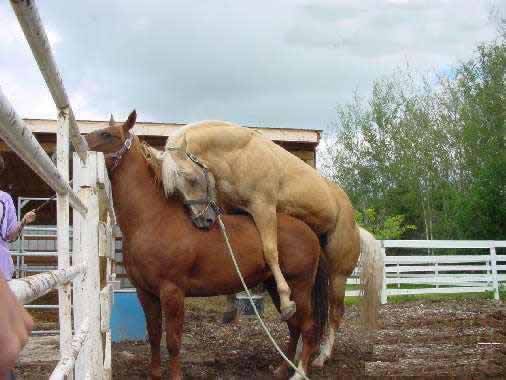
pixel 155 129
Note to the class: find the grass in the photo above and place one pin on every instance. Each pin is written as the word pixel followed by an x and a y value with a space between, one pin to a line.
pixel 429 297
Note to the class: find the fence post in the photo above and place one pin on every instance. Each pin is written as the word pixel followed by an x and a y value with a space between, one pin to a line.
pixel 436 273
pixel 87 293
pixel 493 263
pixel 384 295
pixel 62 232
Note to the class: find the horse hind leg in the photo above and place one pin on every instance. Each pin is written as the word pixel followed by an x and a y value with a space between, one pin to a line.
pixel 153 315
pixel 341 252
pixel 306 345
pixel 266 223
pixel 336 312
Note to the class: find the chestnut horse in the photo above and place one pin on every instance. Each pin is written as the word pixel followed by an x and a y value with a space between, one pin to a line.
pixel 167 258
pixel 254 175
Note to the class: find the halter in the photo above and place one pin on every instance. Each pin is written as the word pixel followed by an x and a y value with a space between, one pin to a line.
pixel 117 156
pixel 207 200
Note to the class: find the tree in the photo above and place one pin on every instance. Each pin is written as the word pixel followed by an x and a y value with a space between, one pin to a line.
pixel 433 154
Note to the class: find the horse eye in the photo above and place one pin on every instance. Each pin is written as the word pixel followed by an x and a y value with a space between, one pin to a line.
pixel 106 134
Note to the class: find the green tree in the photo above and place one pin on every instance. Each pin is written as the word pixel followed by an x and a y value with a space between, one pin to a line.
pixel 431 153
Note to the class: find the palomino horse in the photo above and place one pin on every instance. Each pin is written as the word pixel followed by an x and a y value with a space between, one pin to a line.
pixel 167 258
pixel 255 175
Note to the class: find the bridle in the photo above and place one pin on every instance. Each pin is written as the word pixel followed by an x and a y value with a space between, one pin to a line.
pixel 118 155
pixel 208 201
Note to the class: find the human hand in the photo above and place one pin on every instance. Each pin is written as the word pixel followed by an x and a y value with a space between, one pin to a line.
pixel 15 327
pixel 29 217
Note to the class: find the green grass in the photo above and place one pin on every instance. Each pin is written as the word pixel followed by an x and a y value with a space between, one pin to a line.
pixel 429 297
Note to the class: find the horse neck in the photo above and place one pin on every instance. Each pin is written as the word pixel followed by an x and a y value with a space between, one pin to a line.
pixel 138 200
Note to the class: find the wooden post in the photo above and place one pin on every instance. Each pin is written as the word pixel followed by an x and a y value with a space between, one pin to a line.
pixel 493 263
pixel 80 307
pixel 92 365
pixel 62 235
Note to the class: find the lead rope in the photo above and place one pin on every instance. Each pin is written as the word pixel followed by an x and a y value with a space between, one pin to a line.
pixel 231 252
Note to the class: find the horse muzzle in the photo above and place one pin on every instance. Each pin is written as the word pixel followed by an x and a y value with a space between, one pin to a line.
pixel 206 219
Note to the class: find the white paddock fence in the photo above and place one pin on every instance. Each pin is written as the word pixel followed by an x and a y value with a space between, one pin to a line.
pixel 82 276
pixel 482 271
pixel 429 273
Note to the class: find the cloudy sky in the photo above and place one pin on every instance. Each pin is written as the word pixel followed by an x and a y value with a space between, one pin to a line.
pixel 264 63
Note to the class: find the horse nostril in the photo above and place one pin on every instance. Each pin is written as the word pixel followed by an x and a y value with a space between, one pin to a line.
pixel 209 221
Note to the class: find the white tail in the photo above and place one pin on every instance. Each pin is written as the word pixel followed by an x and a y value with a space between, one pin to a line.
pixel 371 277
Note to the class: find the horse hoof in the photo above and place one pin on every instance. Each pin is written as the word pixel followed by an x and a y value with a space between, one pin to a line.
pixel 289 311
pixel 280 373
pixel 319 362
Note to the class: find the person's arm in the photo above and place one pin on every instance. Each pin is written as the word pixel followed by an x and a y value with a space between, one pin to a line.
pixel 14 233
pixel 15 326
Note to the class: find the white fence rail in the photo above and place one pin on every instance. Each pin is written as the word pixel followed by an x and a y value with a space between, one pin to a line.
pixel 33 287
pixel 91 202
pixel 431 274
pixel 482 271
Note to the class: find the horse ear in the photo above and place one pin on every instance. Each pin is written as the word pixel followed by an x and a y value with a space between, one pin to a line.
pixel 111 121
pixel 130 121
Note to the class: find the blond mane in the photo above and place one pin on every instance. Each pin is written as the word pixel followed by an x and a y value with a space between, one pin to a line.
pixel 168 173
pixel 154 159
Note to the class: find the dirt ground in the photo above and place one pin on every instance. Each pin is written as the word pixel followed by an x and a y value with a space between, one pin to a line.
pixel 464 339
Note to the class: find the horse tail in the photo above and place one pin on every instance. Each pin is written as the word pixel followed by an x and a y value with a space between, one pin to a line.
pixel 371 277
pixel 320 297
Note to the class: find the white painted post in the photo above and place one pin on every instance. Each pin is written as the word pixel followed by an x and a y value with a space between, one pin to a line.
pixel 436 273
pixel 398 276
pixel 493 263
pixel 90 251
pixel 106 305
pixel 80 302
pixel 62 235
pixel 384 295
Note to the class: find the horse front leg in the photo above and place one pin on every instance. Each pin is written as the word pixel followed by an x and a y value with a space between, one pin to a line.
pixel 283 369
pixel 152 311
pixel 309 345
pixel 172 299
pixel 266 221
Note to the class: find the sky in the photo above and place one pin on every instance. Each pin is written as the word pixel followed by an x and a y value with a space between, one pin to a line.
pixel 285 63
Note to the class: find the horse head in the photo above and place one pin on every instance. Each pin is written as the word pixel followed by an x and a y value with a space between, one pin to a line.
pixel 183 173
pixel 114 140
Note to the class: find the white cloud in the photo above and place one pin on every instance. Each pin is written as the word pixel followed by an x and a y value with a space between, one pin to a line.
pixel 180 61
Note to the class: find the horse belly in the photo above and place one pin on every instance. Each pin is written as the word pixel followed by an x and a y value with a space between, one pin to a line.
pixel 214 273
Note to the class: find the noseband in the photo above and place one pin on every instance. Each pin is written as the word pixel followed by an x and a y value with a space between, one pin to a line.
pixel 207 200
pixel 117 156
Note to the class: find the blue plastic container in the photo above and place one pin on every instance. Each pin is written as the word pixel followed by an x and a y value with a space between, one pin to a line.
pixel 127 319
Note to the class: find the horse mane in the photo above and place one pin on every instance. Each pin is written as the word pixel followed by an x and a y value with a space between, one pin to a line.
pixel 154 159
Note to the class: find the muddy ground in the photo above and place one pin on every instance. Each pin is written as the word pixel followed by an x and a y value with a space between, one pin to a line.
pixel 424 339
